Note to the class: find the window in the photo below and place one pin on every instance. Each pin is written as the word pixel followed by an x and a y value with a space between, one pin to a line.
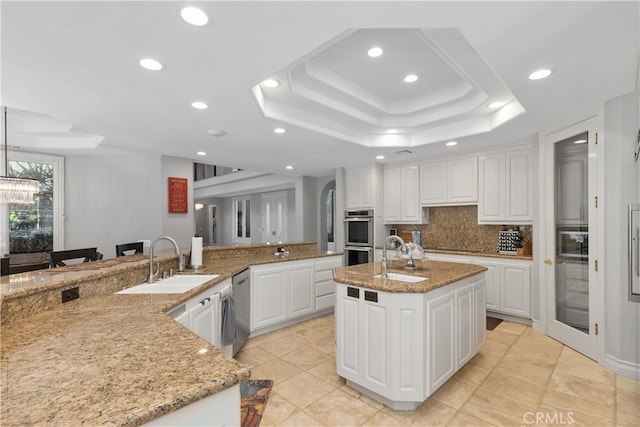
pixel 242 223
pixel 36 227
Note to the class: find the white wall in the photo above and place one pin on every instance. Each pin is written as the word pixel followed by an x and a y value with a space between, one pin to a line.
pixel 111 200
pixel 306 215
pixel 622 182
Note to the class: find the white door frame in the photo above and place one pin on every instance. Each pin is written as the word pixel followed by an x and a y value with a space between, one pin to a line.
pixel 592 345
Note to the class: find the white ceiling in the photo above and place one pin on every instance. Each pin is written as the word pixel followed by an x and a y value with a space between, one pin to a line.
pixel 77 62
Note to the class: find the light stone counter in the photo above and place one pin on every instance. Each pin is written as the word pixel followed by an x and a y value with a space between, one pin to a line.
pixel 436 273
pixel 108 359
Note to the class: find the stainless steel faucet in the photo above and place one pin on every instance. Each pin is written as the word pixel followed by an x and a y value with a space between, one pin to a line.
pixel 403 249
pixel 153 276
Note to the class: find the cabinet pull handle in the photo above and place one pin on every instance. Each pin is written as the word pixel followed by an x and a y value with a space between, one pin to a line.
pixel 353 292
pixel 206 300
pixel 370 296
pixel 637 261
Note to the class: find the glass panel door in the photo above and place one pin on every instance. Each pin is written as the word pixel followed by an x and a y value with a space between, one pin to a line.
pixel 37 227
pixel 571 285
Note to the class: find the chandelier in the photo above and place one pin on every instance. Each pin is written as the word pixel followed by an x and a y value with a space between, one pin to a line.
pixel 12 189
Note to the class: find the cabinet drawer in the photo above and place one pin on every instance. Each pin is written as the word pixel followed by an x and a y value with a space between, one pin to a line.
pixel 325 301
pixel 325 288
pixel 325 275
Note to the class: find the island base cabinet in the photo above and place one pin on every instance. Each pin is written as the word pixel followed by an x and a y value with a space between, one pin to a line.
pixel 223 407
pixel 398 348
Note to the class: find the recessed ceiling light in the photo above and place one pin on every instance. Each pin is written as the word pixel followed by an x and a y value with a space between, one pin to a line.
pixel 288 167
pixel 392 130
pixel 201 153
pixel 540 74
pixel 279 130
pixel 151 64
pixel 410 78
pixel 216 132
pixel 580 141
pixel 374 52
pixel 271 83
pixel 380 157
pixel 451 143
pixel 194 16
pixel 199 105
pixel 496 104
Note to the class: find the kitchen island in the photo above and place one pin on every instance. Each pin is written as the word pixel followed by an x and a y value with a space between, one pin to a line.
pixel 398 341
pixel 115 359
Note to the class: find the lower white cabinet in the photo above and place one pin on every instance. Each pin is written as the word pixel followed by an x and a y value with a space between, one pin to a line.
pixel 325 287
pixel 280 291
pixel 201 315
pixel 400 347
pixel 508 287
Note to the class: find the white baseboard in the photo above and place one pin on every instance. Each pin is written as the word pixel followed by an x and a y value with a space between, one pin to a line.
pixel 509 318
pixel 622 367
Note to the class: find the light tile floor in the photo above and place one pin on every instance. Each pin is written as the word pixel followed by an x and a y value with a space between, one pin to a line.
pixel 520 377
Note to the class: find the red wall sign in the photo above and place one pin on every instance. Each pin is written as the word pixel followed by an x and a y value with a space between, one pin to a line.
pixel 178 196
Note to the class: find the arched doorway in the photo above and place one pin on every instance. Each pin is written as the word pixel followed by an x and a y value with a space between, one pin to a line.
pixel 328 217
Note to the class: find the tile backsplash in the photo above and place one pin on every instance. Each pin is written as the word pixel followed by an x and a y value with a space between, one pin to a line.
pixel 456 227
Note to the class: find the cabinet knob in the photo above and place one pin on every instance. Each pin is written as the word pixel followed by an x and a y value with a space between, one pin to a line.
pixel 548 261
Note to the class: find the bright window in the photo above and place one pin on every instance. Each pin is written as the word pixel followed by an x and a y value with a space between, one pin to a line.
pixel 36 227
pixel 242 223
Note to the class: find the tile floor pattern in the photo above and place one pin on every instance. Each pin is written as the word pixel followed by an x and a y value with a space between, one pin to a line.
pixel 518 373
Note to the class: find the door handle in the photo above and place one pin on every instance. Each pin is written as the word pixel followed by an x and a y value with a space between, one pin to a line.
pixel 548 261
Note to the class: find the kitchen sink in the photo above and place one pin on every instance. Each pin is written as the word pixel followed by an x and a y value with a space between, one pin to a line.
pixel 172 285
pixel 402 277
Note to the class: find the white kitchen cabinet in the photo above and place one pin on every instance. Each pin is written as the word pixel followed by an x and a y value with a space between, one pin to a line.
pixel 508 282
pixel 403 346
pixel 401 195
pixel 202 316
pixel 449 182
pixel 441 342
pixel 201 319
pixel 281 291
pixel 325 287
pixel 505 182
pixel 362 185
pixel 268 295
pixel 572 194
pixel 301 292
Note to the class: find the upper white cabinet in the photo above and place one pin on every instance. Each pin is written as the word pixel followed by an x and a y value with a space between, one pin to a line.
pixel 362 185
pixel 572 194
pixel 449 182
pixel 506 187
pixel 401 195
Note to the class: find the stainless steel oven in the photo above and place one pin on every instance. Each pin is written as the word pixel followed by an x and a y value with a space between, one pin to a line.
pixel 354 255
pixel 359 228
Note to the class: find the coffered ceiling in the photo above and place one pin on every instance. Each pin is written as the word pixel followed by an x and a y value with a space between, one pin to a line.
pixel 73 85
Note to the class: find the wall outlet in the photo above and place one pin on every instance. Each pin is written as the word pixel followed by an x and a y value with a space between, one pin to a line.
pixel 70 294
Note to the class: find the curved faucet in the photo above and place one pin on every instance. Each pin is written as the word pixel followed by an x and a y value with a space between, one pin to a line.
pixel 403 248
pixel 154 275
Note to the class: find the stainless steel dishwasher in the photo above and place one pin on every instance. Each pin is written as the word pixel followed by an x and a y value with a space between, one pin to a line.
pixel 241 283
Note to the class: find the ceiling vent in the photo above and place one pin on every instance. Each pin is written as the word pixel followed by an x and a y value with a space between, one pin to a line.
pixel 403 152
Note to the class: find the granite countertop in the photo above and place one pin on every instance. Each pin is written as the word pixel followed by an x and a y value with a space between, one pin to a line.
pixel 436 273
pixel 109 359
pixel 477 253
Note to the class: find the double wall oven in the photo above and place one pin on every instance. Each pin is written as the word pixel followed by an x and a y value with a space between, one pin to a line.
pixel 358 237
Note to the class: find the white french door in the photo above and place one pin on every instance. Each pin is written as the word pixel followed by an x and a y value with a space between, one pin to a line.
pixel 274 217
pixel 571 236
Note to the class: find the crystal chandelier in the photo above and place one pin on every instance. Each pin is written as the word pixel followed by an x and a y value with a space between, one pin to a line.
pixel 12 189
